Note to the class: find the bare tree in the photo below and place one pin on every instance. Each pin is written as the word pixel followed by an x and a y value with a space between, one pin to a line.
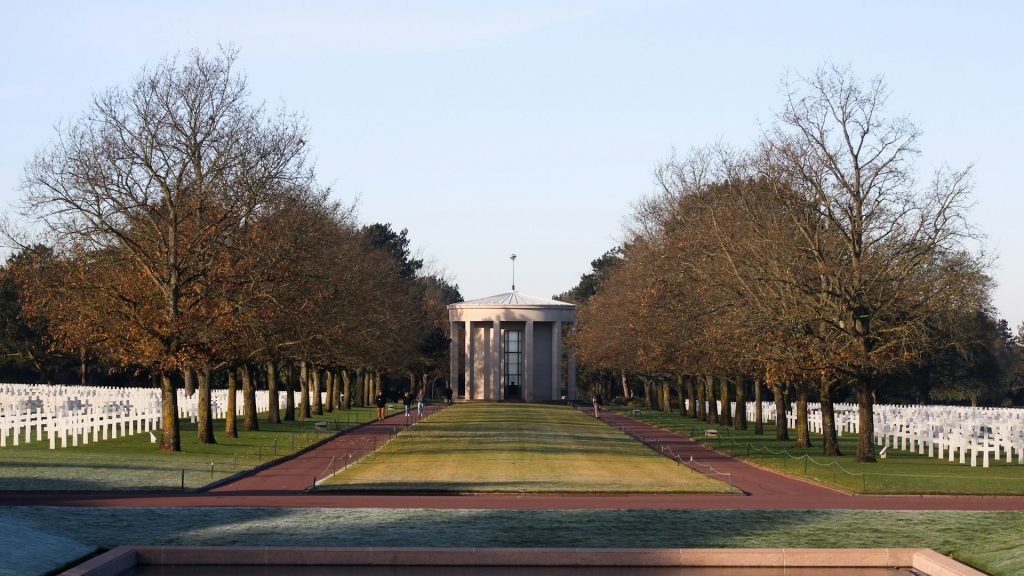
pixel 158 177
pixel 834 148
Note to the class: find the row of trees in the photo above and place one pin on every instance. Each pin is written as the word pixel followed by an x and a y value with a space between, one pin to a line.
pixel 813 261
pixel 179 229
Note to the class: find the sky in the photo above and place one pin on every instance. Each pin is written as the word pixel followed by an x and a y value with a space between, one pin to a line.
pixel 533 127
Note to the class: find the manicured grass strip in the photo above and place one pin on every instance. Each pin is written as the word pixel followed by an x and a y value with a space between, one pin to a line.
pixel 518 448
pixel 901 472
pixel 133 463
pixel 990 541
pixel 27 548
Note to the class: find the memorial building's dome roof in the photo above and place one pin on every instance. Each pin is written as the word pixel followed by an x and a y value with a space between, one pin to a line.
pixel 513 298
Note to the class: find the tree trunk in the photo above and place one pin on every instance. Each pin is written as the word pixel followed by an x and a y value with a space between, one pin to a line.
pixel 274 415
pixel 83 371
pixel 204 426
pixel 681 392
pixel 338 399
pixel 186 376
pixel 336 375
pixel 830 437
pixel 303 391
pixel 803 433
pixel 866 437
pixel 666 397
pixel 709 393
pixel 346 389
pixel 249 420
pixel 702 407
pixel 758 409
pixel 230 427
pixel 691 398
pixel 338 389
pixel 329 388
pixel 365 383
pixel 289 392
pixel 170 439
pixel 740 418
pixel 314 390
pixel 781 431
pixel 723 389
pixel 625 385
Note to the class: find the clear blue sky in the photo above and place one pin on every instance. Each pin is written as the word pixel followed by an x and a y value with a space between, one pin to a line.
pixel 488 128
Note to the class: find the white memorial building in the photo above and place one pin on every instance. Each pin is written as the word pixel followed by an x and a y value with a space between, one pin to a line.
pixel 509 347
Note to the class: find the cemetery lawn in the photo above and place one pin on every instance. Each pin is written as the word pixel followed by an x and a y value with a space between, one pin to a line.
pixel 489 447
pixel 133 463
pixel 39 538
pixel 901 472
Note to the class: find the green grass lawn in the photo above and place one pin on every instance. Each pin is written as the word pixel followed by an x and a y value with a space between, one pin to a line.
pixel 901 472
pixel 41 538
pixel 517 448
pixel 133 463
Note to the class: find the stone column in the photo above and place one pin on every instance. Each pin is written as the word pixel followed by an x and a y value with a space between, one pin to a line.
pixel 480 361
pixel 495 390
pixel 485 361
pixel 469 361
pixel 527 362
pixel 556 361
pixel 453 361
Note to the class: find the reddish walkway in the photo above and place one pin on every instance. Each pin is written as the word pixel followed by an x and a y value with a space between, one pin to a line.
pixel 752 480
pixel 300 473
pixel 283 486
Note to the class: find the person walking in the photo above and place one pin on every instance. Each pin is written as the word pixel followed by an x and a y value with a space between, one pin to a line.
pixel 406 402
pixel 448 393
pixel 381 401
pixel 419 403
pixel 598 402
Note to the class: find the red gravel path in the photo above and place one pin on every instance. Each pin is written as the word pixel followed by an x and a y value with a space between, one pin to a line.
pixel 284 485
pixel 299 473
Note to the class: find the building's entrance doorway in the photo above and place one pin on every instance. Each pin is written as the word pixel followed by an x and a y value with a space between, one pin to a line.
pixel 513 364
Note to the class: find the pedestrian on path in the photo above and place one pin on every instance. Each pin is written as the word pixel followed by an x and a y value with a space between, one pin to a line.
pixel 406 402
pixel 598 402
pixel 419 403
pixel 448 394
pixel 381 401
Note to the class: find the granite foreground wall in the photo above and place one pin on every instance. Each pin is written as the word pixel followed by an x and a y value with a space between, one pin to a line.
pixel 124 559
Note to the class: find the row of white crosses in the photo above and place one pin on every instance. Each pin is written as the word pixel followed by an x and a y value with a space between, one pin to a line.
pixel 958 433
pixel 953 432
pixel 188 408
pixel 72 415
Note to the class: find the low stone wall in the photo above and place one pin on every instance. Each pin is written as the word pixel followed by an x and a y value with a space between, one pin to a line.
pixel 124 558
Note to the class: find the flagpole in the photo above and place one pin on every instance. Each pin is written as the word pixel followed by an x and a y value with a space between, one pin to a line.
pixel 513 258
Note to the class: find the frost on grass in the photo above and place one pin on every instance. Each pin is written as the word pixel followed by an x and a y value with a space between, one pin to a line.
pixel 989 540
pixel 28 548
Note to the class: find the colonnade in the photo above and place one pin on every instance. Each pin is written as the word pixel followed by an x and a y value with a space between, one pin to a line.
pixel 510 347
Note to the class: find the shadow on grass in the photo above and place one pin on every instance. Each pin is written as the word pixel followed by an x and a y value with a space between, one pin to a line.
pixel 987 540
pixel 488 487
